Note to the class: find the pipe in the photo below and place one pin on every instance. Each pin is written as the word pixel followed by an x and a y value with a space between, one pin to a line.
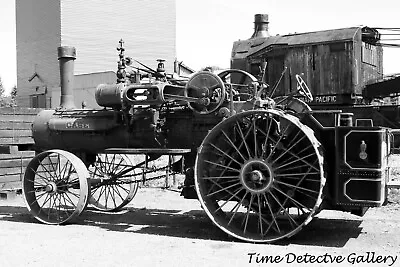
pixel 66 57
pixel 260 26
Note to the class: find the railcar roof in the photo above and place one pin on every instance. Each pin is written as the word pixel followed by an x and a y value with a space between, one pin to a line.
pixel 244 48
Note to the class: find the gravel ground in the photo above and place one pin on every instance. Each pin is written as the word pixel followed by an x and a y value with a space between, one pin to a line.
pixel 160 228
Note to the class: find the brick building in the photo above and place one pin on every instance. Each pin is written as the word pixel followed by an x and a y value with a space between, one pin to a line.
pixel 94 27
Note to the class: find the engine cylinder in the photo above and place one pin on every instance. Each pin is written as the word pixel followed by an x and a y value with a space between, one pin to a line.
pixel 109 95
pixel 144 94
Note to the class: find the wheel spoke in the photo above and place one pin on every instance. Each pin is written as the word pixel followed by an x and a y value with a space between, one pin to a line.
pixel 115 171
pixel 50 209
pixel 301 180
pixel 229 199
pixel 39 196
pixel 58 209
pixel 292 199
pixel 292 168
pixel 223 189
pixel 124 172
pixel 114 167
pixel 46 170
pixel 236 208
pixel 292 139
pixel 260 219
pixel 72 193
pixel 272 215
pixel 267 137
pixel 298 154
pixel 70 200
pixel 246 218
pixel 113 195
pixel 118 193
pixel 290 175
pixel 123 188
pixel 298 187
pixel 220 186
pixel 225 154
pixel 221 177
pixel 233 145
pixel 302 159
pixel 222 166
pixel 52 164
pixel 255 137
pixel 64 169
pixel 282 208
pixel 243 138
pixel 70 171
pixel 37 173
pixel 58 165
pixel 66 205
pixel 287 150
pixel 36 183
pixel 277 142
pixel 44 202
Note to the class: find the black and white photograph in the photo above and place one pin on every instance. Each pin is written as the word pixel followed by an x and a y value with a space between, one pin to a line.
pixel 199 133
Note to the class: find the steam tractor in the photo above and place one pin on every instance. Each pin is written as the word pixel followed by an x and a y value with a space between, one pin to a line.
pixel 261 166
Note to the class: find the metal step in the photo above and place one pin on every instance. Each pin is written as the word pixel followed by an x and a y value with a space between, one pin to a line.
pixel 148 151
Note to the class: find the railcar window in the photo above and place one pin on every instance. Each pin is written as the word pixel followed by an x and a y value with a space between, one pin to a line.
pixel 369 54
pixel 337 47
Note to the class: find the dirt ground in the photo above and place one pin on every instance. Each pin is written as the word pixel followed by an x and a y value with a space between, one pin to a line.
pixel 160 228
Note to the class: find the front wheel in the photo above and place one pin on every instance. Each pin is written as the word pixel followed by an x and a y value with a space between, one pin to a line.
pixel 114 182
pixel 55 186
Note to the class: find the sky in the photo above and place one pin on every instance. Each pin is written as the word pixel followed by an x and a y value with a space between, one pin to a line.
pixel 206 29
pixel 8 59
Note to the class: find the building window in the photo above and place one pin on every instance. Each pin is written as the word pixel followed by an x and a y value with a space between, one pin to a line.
pixel 38 101
pixel 369 54
pixel 337 47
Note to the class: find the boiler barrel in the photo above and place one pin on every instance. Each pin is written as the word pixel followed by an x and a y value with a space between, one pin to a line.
pixel 87 131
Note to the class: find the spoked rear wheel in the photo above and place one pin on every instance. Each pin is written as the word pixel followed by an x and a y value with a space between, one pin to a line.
pixel 113 182
pixel 55 186
pixel 259 175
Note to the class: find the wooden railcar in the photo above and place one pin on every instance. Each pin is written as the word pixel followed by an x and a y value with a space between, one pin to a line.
pixel 336 64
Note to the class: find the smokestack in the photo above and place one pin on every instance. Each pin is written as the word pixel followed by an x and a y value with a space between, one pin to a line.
pixel 66 57
pixel 260 26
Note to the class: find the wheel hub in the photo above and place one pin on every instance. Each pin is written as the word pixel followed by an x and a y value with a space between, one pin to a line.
pixel 256 176
pixel 56 187
pixel 51 187
pixel 109 179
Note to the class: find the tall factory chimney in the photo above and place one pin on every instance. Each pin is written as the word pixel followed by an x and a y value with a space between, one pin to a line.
pixel 66 57
pixel 260 26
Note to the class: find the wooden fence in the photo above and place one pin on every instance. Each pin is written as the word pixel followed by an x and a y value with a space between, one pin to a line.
pixel 15 142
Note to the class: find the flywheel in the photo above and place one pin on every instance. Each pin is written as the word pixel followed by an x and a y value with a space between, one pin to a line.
pixel 259 175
